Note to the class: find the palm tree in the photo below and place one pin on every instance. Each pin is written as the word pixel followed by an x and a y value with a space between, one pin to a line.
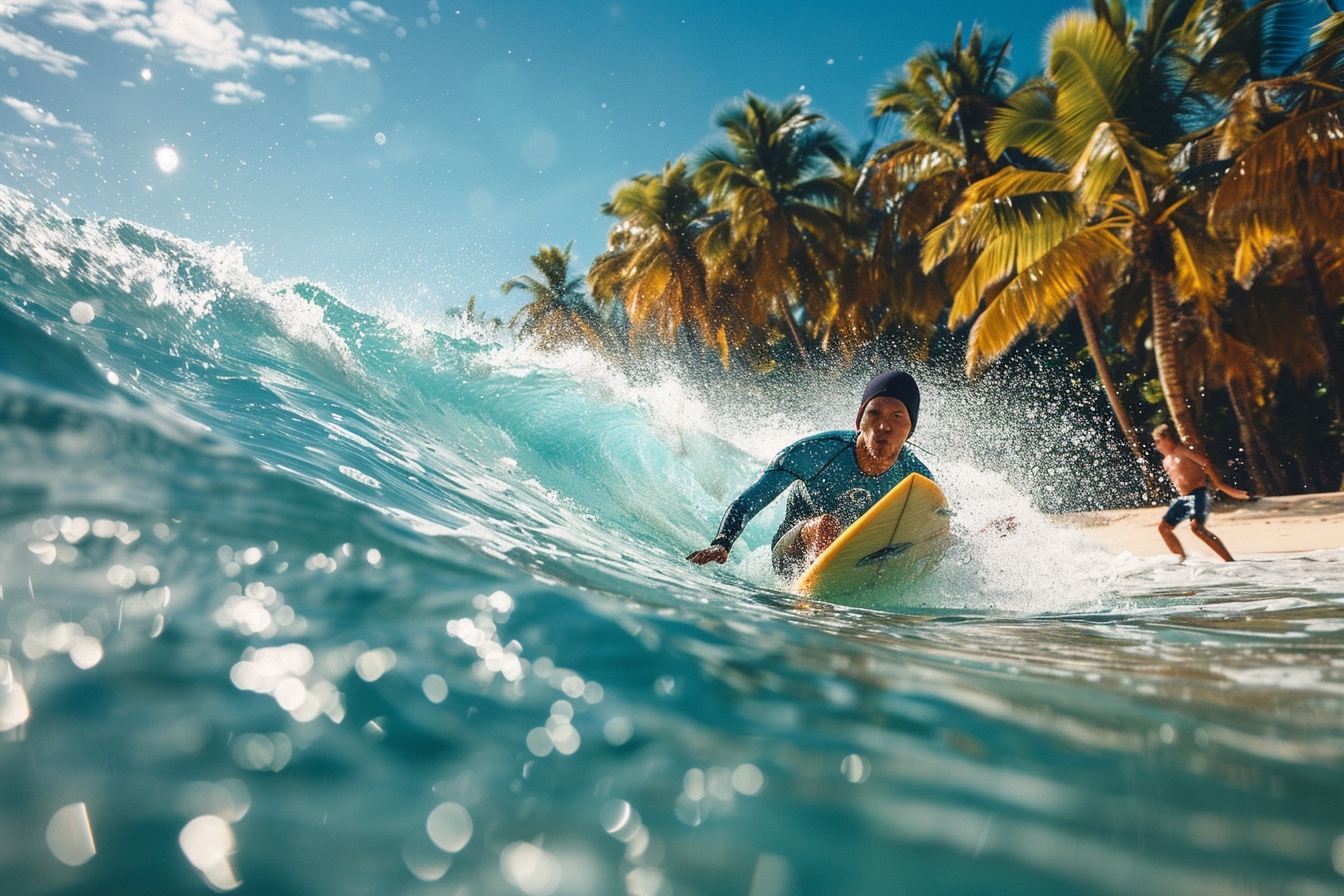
pixel 558 313
pixel 652 264
pixel 1025 228
pixel 1284 140
pixel 944 100
pixel 781 235
pixel 1118 93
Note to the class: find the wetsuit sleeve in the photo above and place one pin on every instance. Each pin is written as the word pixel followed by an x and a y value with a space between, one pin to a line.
pixel 751 502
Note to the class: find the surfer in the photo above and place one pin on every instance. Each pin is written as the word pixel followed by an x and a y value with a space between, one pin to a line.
pixel 1191 474
pixel 832 478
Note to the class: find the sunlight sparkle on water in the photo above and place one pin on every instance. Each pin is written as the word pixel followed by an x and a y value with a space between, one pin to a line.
pixel 166 158
pixel 14 709
pixel 435 688
pixel 69 835
pixel 530 868
pixel 208 843
pixel 449 826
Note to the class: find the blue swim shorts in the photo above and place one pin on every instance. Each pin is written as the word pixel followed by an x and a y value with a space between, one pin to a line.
pixel 1194 505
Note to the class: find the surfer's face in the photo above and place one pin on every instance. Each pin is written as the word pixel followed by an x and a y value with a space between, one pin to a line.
pixel 884 427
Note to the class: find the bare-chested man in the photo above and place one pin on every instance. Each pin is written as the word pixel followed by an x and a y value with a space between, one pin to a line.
pixel 1192 474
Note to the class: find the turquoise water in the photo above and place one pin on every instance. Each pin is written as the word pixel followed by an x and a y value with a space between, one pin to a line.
pixel 302 599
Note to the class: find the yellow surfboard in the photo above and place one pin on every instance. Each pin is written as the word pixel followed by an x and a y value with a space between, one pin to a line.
pixel 899 539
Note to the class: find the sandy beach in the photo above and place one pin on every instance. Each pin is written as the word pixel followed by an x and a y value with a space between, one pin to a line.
pixel 1289 524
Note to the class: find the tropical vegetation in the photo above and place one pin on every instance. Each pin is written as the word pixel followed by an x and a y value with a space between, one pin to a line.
pixel 1164 199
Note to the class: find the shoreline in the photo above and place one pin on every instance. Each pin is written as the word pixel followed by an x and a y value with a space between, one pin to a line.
pixel 1288 524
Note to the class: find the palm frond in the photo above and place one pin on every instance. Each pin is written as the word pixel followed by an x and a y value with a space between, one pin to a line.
pixel 1010 193
pixel 1027 120
pixel 523 281
pixel 1325 59
pixel 1089 68
pixel 1018 236
pixel 924 206
pixel 1042 293
pixel 894 169
pixel 1254 251
pixel 1290 179
pixel 1201 261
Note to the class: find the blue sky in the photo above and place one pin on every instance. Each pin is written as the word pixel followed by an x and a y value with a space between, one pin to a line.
pixel 416 153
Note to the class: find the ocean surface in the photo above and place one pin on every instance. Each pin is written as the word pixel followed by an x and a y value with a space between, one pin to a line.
pixel 303 599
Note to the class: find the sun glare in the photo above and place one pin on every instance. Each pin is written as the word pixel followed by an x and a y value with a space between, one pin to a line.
pixel 167 159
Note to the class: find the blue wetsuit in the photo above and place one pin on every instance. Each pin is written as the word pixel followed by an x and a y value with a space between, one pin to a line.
pixel 822 475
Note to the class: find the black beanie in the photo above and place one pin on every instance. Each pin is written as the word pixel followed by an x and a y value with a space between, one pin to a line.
pixel 895 384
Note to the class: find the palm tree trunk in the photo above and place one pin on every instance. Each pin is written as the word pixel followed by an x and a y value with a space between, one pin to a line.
pixel 1272 464
pixel 802 264
pixel 1309 483
pixel 793 331
pixel 1328 324
pixel 1165 352
pixel 1084 307
pixel 1249 443
pixel 1259 461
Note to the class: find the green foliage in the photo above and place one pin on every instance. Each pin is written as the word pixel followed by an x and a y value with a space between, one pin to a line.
pixel 1175 176
pixel 559 313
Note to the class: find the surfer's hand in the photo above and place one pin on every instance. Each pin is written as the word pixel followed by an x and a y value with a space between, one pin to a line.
pixel 1236 493
pixel 715 554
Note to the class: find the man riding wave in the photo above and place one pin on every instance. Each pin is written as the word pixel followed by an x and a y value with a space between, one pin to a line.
pixel 832 478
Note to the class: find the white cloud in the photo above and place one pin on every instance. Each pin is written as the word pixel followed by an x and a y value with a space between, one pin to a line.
pixel 331 18
pixel 332 121
pixel 285 54
pixel 92 15
pixel 372 13
pixel 205 34
pixel 231 93
pixel 334 18
pixel 34 114
pixel 11 8
pixel 73 19
pixel 41 118
pixel 25 140
pixel 25 46
pixel 202 33
pixel 135 37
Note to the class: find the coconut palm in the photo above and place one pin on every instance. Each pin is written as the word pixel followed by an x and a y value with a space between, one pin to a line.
pixel 944 100
pixel 558 313
pixel 652 264
pixel 781 235
pixel 1284 139
pixel 947 97
pixel 1117 93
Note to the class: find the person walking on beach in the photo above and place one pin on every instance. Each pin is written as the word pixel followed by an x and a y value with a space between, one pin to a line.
pixel 1191 474
pixel 832 477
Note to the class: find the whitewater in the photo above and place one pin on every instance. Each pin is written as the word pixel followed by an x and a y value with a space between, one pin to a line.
pixel 300 598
